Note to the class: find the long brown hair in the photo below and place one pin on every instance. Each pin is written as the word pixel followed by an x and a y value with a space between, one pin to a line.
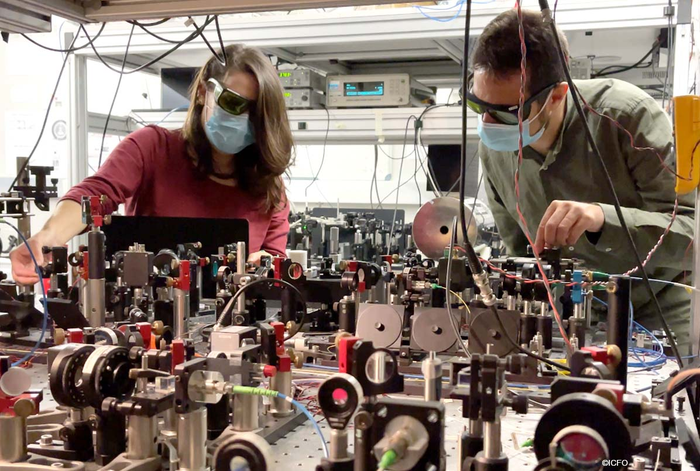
pixel 259 167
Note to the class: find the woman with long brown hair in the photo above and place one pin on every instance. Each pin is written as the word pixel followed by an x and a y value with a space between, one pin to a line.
pixel 226 162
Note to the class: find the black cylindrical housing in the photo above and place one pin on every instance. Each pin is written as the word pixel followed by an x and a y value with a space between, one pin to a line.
pixel 218 417
pixel 544 327
pixel 287 310
pixel 528 328
pixel 578 327
pixel 346 315
pixel 473 259
pixel 471 445
pixel 96 255
pixel 110 437
pixel 618 322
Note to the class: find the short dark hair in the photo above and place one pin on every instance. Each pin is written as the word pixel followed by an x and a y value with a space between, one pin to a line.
pixel 498 52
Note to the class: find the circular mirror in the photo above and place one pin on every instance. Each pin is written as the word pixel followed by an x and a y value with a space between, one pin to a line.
pixel 380 367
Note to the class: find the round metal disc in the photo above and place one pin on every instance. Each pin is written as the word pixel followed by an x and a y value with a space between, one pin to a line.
pixel 432 331
pixel 585 410
pixel 432 226
pixel 484 330
pixel 380 324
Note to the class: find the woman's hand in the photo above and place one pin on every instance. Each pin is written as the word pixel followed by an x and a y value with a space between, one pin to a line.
pixel 255 257
pixel 23 268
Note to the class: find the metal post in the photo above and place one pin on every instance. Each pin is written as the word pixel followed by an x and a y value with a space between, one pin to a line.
pixel 142 437
pixel 492 439
pixel 13 446
pixel 281 382
pixel 192 439
pixel 241 258
pixel 245 413
pixel 95 302
pixel 619 320
pixel 181 307
pixel 432 372
pixel 334 244
pixel 78 130
pixel 339 445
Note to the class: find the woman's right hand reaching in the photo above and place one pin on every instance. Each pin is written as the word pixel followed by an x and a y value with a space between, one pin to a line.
pixel 66 222
pixel 23 268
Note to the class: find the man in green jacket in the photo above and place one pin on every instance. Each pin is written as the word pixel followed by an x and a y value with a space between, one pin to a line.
pixel 564 199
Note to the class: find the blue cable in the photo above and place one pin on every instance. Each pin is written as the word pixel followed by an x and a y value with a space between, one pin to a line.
pixel 659 358
pixel 458 5
pixel 43 292
pixel 306 412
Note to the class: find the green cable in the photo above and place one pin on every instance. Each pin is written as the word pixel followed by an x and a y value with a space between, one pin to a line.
pixel 254 391
pixel 388 458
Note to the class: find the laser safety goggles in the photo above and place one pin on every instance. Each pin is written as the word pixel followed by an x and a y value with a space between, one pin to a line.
pixel 228 100
pixel 505 114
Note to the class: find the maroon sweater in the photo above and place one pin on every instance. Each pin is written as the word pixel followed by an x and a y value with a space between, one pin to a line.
pixel 151 173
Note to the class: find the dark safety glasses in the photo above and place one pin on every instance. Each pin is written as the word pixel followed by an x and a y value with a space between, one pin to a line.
pixel 505 114
pixel 228 100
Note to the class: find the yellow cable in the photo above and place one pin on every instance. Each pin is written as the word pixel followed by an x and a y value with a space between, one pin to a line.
pixel 460 299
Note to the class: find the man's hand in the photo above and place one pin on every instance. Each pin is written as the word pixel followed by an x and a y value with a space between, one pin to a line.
pixel 255 257
pixel 564 223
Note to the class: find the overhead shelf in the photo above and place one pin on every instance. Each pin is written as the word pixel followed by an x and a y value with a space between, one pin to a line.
pixel 355 126
pixel 392 39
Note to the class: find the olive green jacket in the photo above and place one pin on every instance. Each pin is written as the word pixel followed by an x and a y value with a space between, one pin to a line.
pixel 571 171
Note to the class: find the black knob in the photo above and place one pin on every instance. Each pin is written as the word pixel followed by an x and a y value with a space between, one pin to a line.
pixel 519 404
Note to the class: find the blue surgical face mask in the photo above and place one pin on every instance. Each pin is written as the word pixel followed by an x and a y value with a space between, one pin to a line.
pixel 229 133
pixel 506 137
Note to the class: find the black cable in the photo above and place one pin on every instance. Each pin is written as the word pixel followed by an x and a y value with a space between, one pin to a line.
pixel 527 352
pixel 671 54
pixel 70 49
pixel 114 99
pixel 323 156
pixel 375 184
pixel 396 203
pixel 46 118
pixel 157 23
pixel 211 48
pixel 152 34
pixel 221 41
pixel 415 168
pixel 274 283
pixel 463 150
pixel 611 186
pixel 613 69
pixel 454 185
pixel 191 37
pixel 393 158
pixel 478 186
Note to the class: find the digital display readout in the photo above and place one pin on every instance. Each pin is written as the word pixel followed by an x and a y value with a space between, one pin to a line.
pixel 287 94
pixel 285 74
pixel 364 88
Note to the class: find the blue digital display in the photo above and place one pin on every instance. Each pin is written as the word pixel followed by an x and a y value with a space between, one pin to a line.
pixel 364 88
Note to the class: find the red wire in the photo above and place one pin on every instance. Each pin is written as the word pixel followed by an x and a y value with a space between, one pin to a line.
pixel 661 239
pixel 631 138
pixel 521 103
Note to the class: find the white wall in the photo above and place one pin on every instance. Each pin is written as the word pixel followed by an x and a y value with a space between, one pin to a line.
pixel 346 175
pixel 28 76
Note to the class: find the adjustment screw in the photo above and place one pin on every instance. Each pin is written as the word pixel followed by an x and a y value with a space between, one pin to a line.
pixel 433 417
pixel 681 402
